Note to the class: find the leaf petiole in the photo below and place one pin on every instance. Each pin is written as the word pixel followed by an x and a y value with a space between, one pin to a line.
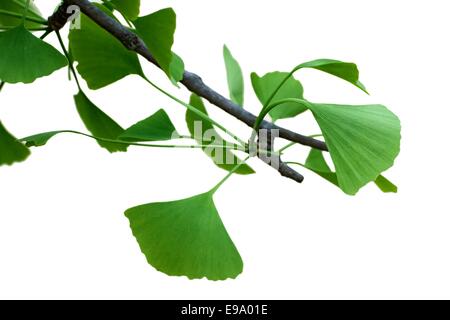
pixel 197 112
pixel 148 145
pixel 20 16
pixel 269 108
pixel 66 53
pixel 236 168
pixel 5 28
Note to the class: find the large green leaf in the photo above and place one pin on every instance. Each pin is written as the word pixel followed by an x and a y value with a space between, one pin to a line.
pixel 344 70
pixel 266 85
pixel 99 123
pixel 24 58
pixel 157 30
pixel 18 7
pixel 129 8
pixel 317 163
pixel 234 76
pixel 186 238
pixel 207 135
pixel 157 127
pixel 363 141
pixel 11 150
pixel 102 59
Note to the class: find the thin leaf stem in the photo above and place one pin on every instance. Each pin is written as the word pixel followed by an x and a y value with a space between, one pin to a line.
pixel 66 53
pixel 233 171
pixel 5 28
pixel 147 145
pixel 267 109
pixel 196 111
pixel 291 144
pixel 20 16
pixel 297 164
pixel 25 12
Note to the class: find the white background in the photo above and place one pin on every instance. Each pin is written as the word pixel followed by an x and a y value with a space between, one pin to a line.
pixel 62 229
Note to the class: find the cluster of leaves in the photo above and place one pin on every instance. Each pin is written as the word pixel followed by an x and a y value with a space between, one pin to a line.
pixel 187 237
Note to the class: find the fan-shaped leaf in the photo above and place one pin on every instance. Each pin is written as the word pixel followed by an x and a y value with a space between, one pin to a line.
pixel 363 141
pixel 186 238
pixel 157 127
pixel 205 134
pixel 102 59
pixel 344 70
pixel 99 123
pixel 266 85
pixel 11 150
pixel 129 8
pixel 157 30
pixel 235 77
pixel 24 58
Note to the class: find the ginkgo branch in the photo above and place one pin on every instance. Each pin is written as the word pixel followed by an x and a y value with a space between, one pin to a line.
pixel 191 81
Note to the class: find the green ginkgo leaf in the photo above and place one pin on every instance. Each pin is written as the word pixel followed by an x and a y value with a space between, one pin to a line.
pixel 385 185
pixel 102 59
pixel 317 163
pixel 24 57
pixel 157 30
pixel 176 69
pixel 99 123
pixel 205 134
pixel 363 141
pixel 234 77
pixel 265 86
pixel 186 238
pixel 344 70
pixel 11 150
pixel 129 8
pixel 18 7
pixel 157 127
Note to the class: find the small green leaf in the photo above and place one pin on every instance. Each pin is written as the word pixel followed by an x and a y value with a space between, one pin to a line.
pixel 102 59
pixel 235 77
pixel 206 135
pixel 129 8
pixel 266 85
pixel 317 163
pixel 363 141
pixel 24 57
pixel 385 185
pixel 99 123
pixel 41 139
pixel 344 70
pixel 176 69
pixel 157 127
pixel 186 238
pixel 157 30
pixel 11 150
pixel 18 7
